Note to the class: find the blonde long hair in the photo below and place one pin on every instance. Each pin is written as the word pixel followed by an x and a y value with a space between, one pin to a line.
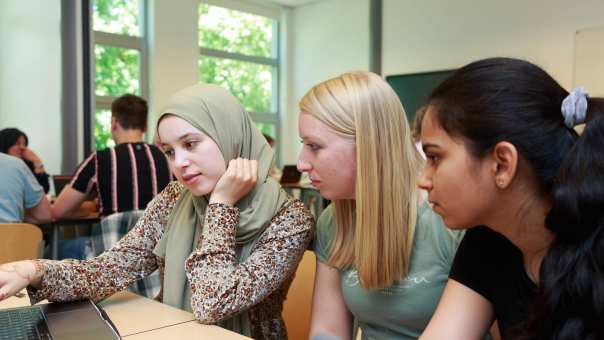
pixel 374 232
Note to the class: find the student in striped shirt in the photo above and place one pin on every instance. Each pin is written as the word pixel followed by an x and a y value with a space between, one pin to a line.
pixel 125 177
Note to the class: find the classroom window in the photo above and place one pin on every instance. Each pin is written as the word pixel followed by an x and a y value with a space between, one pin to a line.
pixel 239 49
pixel 119 59
pixel 116 71
pixel 102 128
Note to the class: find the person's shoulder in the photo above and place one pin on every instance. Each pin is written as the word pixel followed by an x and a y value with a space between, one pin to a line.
pixel 166 199
pixel 326 224
pixel 325 233
pixel 484 234
pixel 326 219
pixel 173 189
pixel 432 235
pixel 296 214
pixel 153 147
pixel 157 153
pixel 8 159
pixel 122 147
pixel 484 245
pixel 100 153
pixel 12 162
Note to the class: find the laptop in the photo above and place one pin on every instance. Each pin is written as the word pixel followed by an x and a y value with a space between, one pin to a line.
pixel 290 175
pixel 57 321
pixel 60 181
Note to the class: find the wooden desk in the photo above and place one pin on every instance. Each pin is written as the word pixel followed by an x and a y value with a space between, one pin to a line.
pixel 14 301
pixel 191 330
pixel 139 318
pixel 134 314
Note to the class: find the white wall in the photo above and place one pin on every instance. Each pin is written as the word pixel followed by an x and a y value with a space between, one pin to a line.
pixel 589 60
pixel 30 74
pixel 438 34
pixel 326 39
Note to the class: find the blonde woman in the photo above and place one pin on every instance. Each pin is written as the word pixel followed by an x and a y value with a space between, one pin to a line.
pixel 383 256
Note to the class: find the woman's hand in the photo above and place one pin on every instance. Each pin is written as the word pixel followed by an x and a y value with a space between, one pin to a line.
pixel 239 179
pixel 15 276
pixel 29 155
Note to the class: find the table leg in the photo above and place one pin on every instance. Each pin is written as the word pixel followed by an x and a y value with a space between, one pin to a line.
pixel 54 242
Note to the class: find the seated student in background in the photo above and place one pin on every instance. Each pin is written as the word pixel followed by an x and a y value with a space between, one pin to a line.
pixel 14 142
pixel 226 237
pixel 125 177
pixel 383 256
pixel 21 197
pixel 503 156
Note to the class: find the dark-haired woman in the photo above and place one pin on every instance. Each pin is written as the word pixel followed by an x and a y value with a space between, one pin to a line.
pixel 14 142
pixel 505 162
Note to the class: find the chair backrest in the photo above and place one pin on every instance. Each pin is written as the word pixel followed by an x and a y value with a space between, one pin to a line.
pixel 19 241
pixel 60 181
pixel 296 309
pixel 112 228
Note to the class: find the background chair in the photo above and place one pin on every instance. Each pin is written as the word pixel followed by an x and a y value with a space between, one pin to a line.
pixel 19 241
pixel 296 309
pixel 112 229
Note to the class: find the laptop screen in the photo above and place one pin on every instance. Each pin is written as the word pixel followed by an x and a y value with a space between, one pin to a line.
pixel 57 321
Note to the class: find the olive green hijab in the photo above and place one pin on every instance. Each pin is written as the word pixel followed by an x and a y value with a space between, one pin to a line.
pixel 214 111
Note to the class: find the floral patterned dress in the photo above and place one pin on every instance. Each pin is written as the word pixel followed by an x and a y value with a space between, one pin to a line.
pixel 221 287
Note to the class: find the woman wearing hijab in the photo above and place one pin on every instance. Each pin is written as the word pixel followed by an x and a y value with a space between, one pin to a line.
pixel 226 238
pixel 14 142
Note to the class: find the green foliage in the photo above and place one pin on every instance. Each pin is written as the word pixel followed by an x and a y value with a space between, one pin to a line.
pixel 236 32
pixel 267 129
pixel 250 83
pixel 102 129
pixel 116 16
pixel 117 71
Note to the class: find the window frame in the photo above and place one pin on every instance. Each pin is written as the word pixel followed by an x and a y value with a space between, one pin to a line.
pixel 273 116
pixel 138 43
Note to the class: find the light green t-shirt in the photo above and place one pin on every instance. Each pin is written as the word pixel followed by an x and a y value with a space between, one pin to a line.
pixel 403 310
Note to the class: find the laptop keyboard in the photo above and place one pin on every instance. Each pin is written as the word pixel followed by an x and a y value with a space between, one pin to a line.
pixel 21 324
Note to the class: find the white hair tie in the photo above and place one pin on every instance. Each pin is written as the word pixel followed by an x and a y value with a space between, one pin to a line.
pixel 574 107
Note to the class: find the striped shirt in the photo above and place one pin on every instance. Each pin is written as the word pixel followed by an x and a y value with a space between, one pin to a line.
pixel 125 177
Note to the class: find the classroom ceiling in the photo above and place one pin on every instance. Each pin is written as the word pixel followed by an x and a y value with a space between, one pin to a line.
pixel 294 3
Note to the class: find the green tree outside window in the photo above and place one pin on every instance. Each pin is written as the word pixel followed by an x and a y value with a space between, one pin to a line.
pixel 116 71
pixel 233 31
pixel 116 16
pixel 267 129
pixel 102 129
pixel 250 83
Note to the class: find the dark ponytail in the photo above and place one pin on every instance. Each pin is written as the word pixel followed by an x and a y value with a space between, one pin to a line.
pixel 571 300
